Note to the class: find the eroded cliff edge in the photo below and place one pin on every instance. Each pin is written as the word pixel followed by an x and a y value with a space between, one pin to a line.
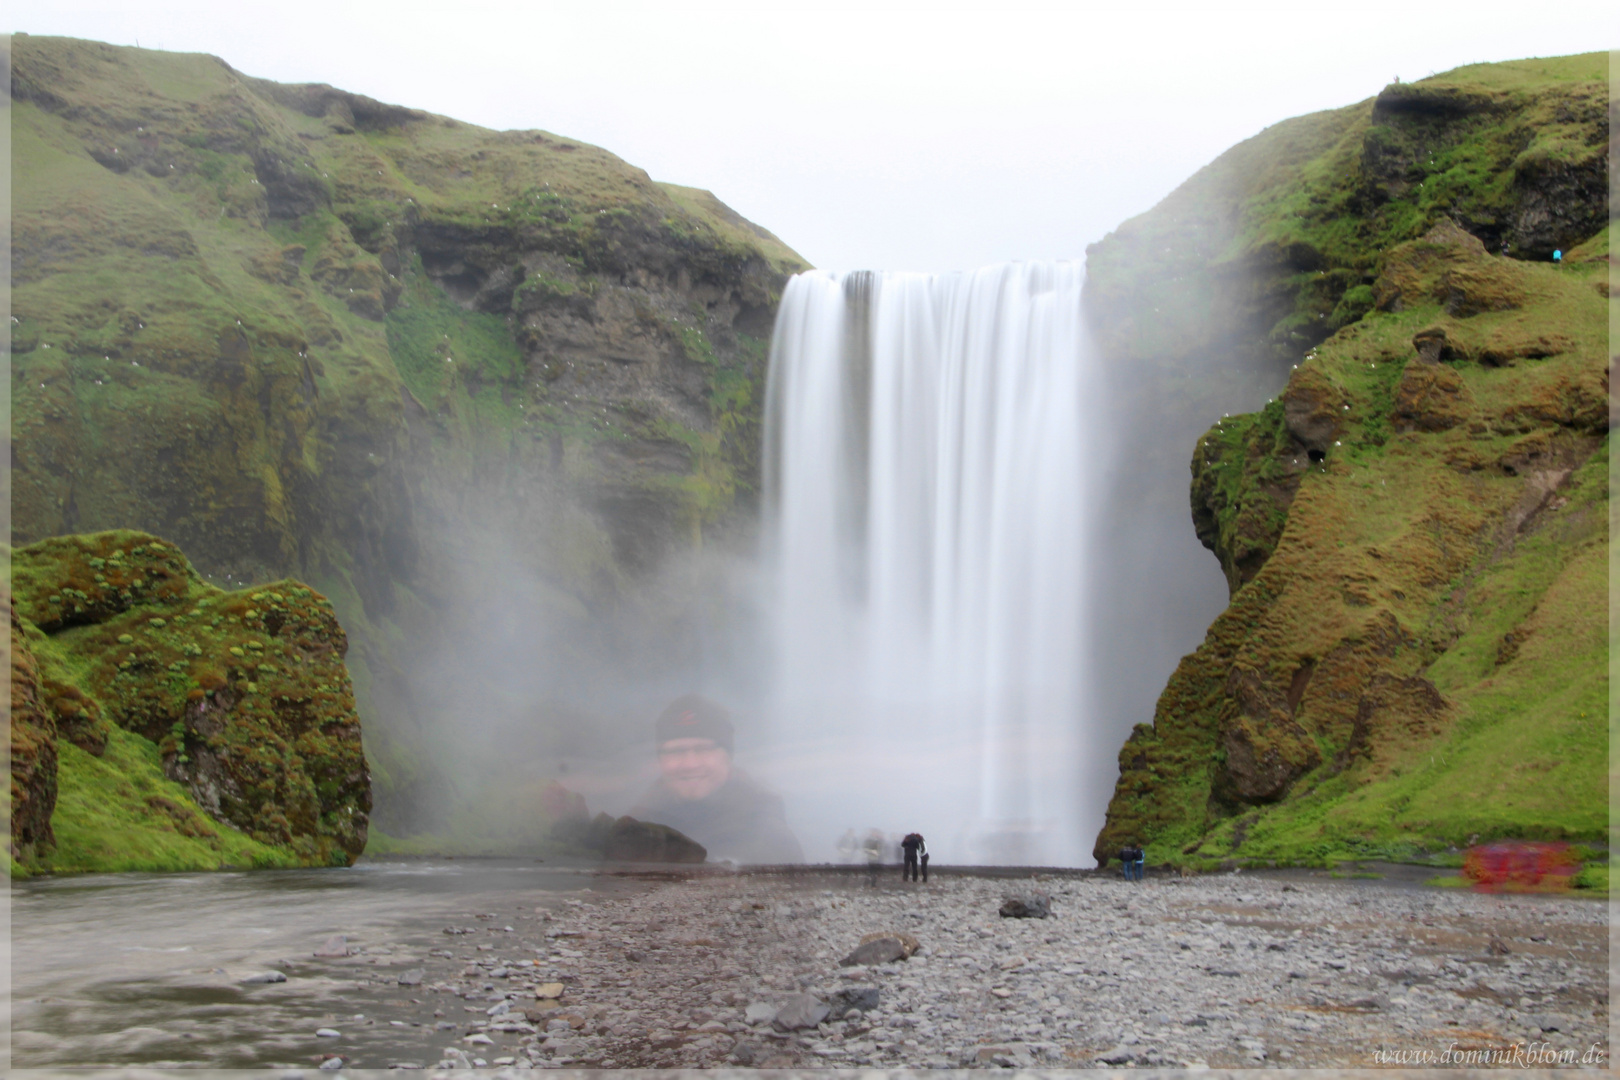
pixel 1414 529
pixel 299 332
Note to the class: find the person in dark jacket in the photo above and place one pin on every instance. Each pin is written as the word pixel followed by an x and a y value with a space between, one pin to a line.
pixel 701 793
pixel 913 846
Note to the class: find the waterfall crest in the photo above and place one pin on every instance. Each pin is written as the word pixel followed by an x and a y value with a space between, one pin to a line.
pixel 931 449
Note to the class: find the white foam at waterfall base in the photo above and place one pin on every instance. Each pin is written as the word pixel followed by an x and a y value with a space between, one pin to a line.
pixel 932 445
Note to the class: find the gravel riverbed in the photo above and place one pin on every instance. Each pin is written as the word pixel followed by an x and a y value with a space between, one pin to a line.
pixel 1226 971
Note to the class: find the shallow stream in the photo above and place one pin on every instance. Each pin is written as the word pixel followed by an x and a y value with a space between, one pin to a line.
pixel 158 969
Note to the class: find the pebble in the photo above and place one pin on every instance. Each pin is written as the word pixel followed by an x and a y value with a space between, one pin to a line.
pixel 329 1033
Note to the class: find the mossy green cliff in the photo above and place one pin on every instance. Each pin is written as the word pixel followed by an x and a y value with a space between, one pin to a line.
pixel 1414 530
pixel 300 332
pixel 161 723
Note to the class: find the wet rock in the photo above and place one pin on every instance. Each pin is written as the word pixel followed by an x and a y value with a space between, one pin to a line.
pixel 332 1064
pixel 1027 905
pixel 412 977
pixel 329 1033
pixel 799 1012
pixel 336 945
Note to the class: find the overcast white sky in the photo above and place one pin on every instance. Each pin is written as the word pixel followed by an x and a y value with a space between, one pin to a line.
pixel 887 136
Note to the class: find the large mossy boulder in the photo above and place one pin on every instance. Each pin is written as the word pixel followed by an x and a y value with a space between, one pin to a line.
pixel 241 699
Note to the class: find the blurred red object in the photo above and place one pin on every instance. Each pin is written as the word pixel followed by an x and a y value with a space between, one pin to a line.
pixel 1514 865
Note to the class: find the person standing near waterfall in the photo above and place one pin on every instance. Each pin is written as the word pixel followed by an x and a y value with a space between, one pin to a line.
pixel 701 793
pixel 913 846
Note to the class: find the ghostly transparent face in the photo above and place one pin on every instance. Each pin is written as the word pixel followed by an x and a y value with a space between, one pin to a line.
pixel 694 768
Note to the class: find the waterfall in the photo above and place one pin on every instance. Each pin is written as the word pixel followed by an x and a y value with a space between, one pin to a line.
pixel 931 447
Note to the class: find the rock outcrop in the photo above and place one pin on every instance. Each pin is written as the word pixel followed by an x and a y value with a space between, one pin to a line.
pixel 1422 497
pixel 33 751
pixel 244 696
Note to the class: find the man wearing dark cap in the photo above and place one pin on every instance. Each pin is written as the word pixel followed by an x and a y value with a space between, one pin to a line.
pixel 701 793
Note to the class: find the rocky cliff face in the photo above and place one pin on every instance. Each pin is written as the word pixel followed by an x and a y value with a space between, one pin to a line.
pixel 294 330
pixel 244 696
pixel 1412 530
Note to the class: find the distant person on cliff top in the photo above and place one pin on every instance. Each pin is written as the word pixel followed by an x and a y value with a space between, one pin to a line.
pixel 913 846
pixel 701 793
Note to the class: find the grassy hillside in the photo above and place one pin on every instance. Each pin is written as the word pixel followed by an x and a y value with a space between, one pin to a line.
pixel 300 332
pixel 1415 655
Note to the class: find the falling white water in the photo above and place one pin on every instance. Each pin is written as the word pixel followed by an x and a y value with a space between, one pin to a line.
pixel 931 443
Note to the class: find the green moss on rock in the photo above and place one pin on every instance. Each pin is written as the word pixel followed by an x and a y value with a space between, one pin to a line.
pixel 229 712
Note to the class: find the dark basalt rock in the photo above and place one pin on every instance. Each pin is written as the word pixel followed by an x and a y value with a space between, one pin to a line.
pixel 629 840
pixel 1029 905
pixel 33 749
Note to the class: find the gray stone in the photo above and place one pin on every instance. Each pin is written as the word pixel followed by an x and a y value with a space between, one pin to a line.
pixel 266 977
pixel 332 1064
pixel 329 1033
pixel 760 1012
pixel 883 950
pixel 860 998
pixel 1029 905
pixel 412 977
pixel 799 1012
pixel 336 945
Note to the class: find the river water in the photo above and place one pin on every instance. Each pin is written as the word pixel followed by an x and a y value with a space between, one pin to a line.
pixel 157 969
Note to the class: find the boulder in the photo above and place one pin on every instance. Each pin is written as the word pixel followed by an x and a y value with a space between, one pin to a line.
pixel 864 998
pixel 885 949
pixel 1027 905
pixel 644 841
pixel 800 1011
